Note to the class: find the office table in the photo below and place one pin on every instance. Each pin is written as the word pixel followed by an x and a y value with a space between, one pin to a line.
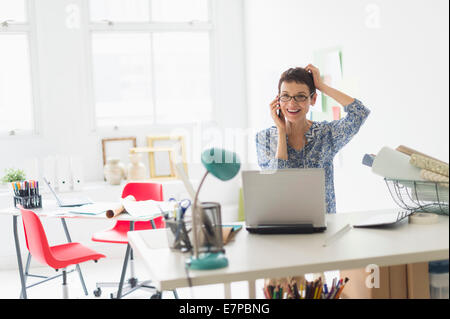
pixel 51 210
pixel 253 256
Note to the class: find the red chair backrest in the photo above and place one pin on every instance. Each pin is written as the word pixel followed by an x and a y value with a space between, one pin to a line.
pixel 142 191
pixel 37 242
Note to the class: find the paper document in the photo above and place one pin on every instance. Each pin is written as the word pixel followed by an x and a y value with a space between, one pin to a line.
pixel 150 208
pixel 93 209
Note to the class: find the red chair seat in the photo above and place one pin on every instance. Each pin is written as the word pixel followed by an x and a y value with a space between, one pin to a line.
pixel 111 236
pixel 118 234
pixel 71 254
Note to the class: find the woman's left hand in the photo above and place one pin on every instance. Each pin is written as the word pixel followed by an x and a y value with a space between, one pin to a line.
pixel 318 82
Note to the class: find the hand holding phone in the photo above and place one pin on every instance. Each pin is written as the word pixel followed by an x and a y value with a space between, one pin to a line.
pixel 277 114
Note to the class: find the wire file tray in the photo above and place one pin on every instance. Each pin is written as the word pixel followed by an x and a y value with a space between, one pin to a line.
pixel 420 196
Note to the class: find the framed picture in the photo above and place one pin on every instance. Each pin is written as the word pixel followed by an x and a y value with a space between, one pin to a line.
pixel 161 163
pixel 163 153
pixel 118 147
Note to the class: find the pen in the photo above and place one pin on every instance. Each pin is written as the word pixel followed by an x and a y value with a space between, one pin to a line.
pixel 319 295
pixel 337 235
pixel 342 288
pixel 270 290
pixel 308 290
pixel 332 289
pixel 300 292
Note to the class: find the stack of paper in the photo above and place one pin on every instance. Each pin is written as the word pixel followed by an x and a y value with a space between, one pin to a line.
pixel 92 209
pixel 147 207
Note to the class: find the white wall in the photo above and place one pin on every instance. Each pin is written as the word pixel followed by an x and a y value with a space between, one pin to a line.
pixel 65 122
pixel 399 71
pixel 65 114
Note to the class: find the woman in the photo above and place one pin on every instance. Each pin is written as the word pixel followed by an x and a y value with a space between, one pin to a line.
pixel 295 142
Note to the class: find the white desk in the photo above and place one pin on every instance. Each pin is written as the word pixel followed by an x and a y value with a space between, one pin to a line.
pixel 51 210
pixel 253 256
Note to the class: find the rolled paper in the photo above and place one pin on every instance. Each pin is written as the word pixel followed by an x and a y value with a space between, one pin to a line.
pixel 429 164
pixel 111 213
pixel 434 177
pixel 409 151
pixel 392 164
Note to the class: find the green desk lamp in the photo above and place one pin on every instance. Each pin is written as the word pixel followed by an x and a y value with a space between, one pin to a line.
pixel 224 165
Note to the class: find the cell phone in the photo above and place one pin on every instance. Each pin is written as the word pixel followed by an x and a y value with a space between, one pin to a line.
pixel 279 111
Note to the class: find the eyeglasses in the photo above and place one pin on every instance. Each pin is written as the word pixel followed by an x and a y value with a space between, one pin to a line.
pixel 297 98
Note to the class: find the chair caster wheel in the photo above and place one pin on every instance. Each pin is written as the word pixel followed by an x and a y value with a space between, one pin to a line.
pixel 97 292
pixel 133 282
pixel 157 295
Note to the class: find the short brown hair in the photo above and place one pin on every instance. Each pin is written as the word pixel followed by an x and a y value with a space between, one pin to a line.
pixel 298 75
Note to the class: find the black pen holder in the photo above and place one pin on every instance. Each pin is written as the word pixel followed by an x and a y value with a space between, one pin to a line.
pixel 210 231
pixel 33 201
pixel 179 234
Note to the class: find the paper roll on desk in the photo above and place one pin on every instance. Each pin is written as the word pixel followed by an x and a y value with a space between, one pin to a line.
pixel 392 164
pixel 111 213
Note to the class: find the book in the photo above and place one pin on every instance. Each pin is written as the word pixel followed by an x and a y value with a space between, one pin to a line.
pixel 229 231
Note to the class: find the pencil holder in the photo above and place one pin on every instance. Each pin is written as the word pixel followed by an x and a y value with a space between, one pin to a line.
pixel 210 235
pixel 33 201
pixel 178 235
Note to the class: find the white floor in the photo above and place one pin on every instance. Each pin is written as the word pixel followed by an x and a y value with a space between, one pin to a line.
pixel 108 270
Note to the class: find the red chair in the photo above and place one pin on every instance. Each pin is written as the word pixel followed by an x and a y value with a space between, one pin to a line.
pixel 58 256
pixel 118 235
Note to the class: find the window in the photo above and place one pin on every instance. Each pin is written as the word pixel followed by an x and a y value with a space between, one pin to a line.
pixel 16 96
pixel 151 61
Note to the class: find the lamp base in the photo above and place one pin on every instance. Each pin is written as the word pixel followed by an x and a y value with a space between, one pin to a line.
pixel 207 261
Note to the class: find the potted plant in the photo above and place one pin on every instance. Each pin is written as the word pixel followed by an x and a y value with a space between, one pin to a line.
pixel 13 175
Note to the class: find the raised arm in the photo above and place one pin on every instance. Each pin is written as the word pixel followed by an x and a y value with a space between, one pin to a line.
pixel 344 129
pixel 337 95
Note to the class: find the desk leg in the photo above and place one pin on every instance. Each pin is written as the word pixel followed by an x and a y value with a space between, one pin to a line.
pixel 66 231
pixel 227 290
pixel 251 289
pixel 125 263
pixel 19 259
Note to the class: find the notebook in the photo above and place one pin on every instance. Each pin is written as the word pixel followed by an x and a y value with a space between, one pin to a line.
pixel 383 219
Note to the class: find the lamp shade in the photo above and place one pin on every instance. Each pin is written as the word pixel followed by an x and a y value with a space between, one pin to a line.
pixel 221 163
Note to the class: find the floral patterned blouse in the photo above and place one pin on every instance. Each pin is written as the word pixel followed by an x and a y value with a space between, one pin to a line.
pixel 324 140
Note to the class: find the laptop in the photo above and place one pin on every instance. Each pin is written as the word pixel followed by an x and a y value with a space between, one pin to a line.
pixel 68 202
pixel 287 201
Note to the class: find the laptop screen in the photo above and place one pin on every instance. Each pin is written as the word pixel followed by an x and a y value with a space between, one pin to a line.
pixel 52 190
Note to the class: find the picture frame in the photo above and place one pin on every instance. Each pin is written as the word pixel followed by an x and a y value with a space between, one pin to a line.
pixel 118 147
pixel 163 153
pixel 162 164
